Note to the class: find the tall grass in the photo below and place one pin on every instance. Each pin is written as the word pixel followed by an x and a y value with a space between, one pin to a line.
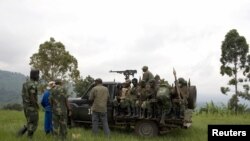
pixel 11 121
pixel 223 110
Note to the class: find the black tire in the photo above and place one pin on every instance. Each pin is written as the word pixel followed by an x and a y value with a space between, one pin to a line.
pixel 192 97
pixel 146 128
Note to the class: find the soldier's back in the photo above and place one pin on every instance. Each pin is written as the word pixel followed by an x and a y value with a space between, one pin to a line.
pixel 59 97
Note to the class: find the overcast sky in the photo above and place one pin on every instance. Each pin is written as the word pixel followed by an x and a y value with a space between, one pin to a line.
pixel 116 35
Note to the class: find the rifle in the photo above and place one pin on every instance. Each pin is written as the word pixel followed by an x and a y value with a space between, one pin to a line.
pixel 176 84
pixel 126 73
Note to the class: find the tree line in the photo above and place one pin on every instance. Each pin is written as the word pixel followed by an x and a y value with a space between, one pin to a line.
pixel 54 61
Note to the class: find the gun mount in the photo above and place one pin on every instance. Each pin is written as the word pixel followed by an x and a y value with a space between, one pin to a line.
pixel 126 73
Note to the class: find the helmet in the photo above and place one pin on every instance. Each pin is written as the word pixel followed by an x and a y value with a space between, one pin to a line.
pixel 145 68
pixel 182 80
pixel 134 80
pixel 157 77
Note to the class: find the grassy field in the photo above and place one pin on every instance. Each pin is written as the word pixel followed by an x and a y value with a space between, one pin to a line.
pixel 11 121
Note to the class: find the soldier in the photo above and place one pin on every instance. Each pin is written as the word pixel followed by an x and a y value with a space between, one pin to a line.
pixel 60 108
pixel 179 105
pixel 46 105
pixel 164 100
pixel 157 80
pixel 117 100
pixel 147 75
pixel 133 97
pixel 142 99
pixel 99 97
pixel 151 98
pixel 184 94
pixel 30 105
pixel 125 98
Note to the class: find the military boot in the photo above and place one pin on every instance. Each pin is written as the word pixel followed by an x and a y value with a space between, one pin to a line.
pixel 163 118
pixel 22 131
pixel 129 112
pixel 143 113
pixel 30 134
pixel 116 112
pixel 149 114
pixel 133 112
pixel 136 112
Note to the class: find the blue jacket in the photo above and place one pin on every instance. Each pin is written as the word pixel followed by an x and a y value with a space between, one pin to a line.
pixel 45 101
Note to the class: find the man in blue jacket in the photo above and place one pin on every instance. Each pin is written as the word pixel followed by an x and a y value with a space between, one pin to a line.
pixel 46 105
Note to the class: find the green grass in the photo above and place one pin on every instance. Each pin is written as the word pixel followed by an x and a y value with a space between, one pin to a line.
pixel 11 121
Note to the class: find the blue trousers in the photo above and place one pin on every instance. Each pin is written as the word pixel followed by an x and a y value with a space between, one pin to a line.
pixel 96 117
pixel 48 122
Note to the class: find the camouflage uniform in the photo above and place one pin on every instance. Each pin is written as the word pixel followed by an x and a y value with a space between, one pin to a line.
pixel 30 104
pixel 164 98
pixel 142 98
pixel 147 75
pixel 179 105
pixel 58 100
pixel 116 101
pixel 125 104
pixel 151 91
pixel 133 98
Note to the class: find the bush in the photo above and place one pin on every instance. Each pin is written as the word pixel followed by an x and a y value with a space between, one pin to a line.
pixel 15 106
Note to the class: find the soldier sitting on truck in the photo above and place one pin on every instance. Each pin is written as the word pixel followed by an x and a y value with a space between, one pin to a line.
pixel 133 98
pixel 141 102
pixel 179 105
pixel 124 103
pixel 117 99
pixel 151 99
pixel 164 101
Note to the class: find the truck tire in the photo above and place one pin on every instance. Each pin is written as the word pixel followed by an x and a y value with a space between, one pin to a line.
pixel 192 97
pixel 146 128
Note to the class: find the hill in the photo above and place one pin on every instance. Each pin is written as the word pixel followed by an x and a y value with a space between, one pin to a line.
pixel 10 87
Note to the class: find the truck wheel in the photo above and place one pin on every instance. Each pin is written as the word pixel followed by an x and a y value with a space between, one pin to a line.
pixel 146 128
pixel 192 97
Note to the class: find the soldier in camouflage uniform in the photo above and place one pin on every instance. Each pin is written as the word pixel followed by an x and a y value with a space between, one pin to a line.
pixel 30 105
pixel 60 110
pixel 142 99
pixel 179 105
pixel 125 105
pixel 133 98
pixel 147 75
pixel 151 91
pixel 164 100
pixel 116 101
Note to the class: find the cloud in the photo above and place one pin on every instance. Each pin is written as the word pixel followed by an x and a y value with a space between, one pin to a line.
pixel 114 35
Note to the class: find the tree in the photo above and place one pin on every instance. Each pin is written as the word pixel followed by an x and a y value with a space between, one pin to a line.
pixel 82 85
pixel 234 51
pixel 54 62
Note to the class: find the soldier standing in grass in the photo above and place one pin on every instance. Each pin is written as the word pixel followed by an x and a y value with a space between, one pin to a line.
pixel 98 98
pixel 30 105
pixel 60 108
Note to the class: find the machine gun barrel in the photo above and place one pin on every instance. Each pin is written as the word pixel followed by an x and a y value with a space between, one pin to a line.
pixel 126 73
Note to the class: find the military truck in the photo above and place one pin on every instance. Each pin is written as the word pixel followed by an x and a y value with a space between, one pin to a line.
pixel 81 112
